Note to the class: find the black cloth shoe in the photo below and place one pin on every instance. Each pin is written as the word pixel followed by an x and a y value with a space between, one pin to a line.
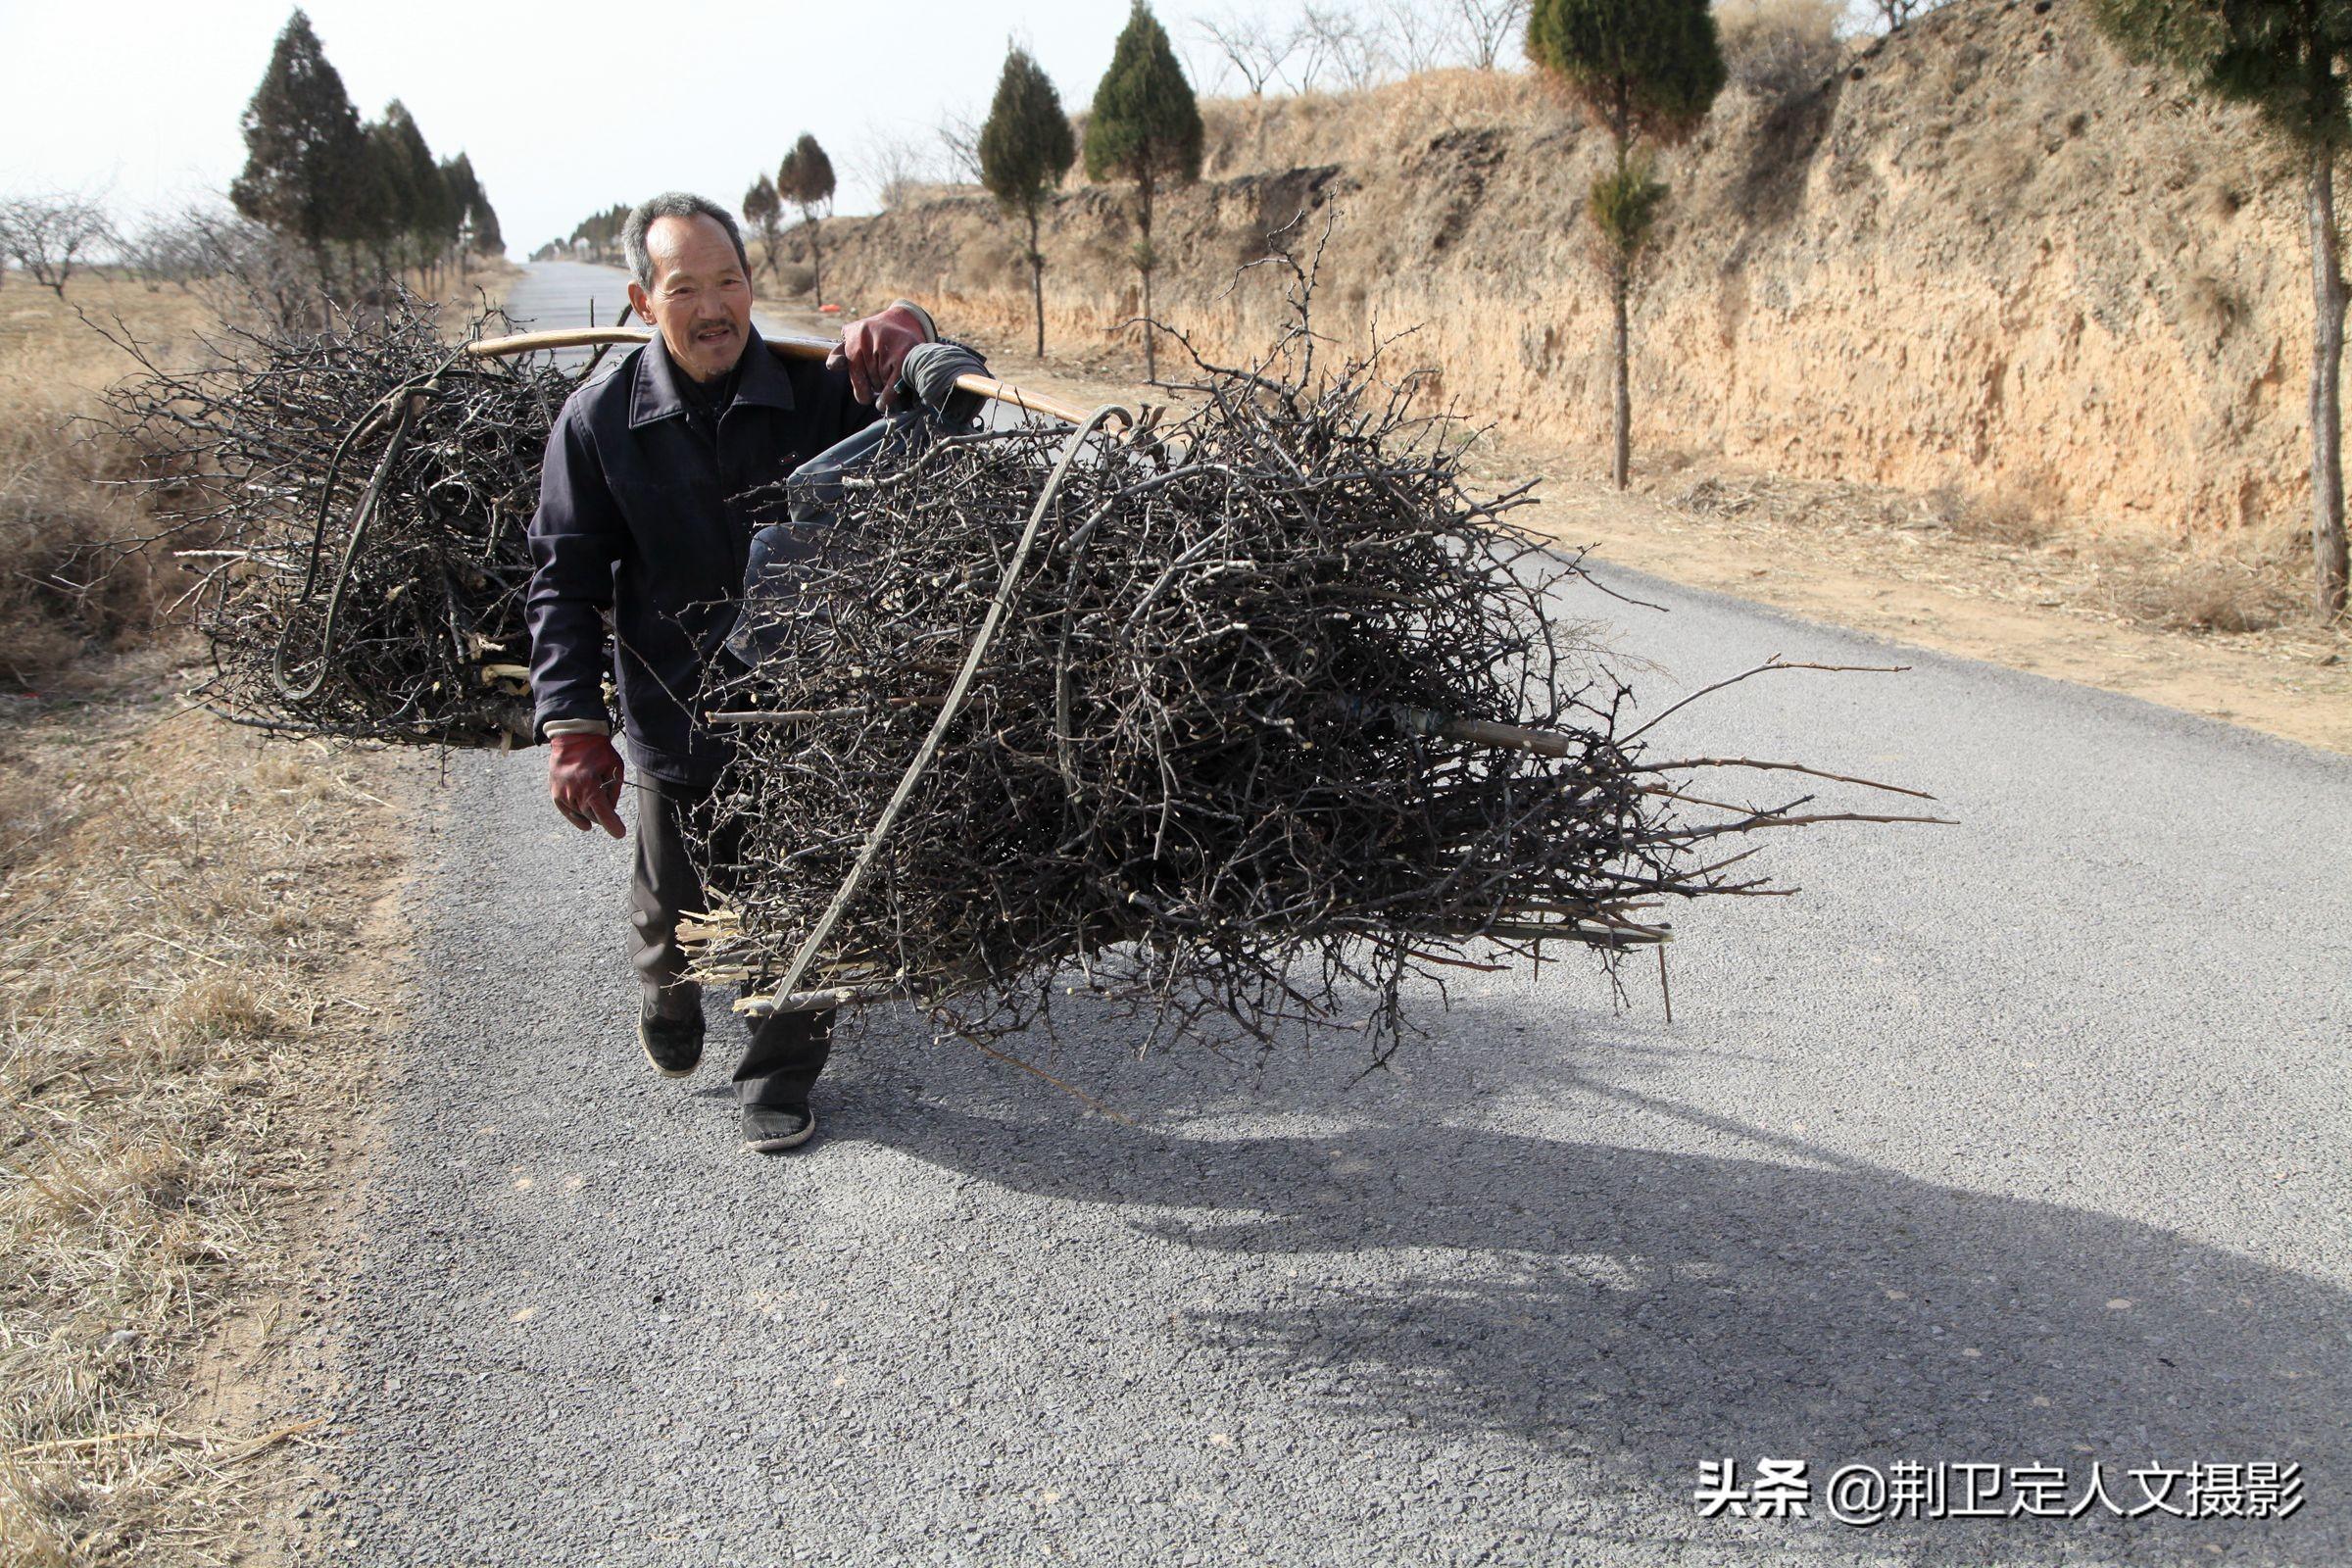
pixel 674 1046
pixel 772 1129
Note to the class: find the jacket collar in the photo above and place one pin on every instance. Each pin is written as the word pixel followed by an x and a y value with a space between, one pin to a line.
pixel 653 392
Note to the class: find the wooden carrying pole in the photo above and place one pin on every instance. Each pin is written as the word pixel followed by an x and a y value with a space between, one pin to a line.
pixel 791 348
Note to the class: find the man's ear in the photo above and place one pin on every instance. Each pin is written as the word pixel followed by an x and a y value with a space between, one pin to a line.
pixel 640 303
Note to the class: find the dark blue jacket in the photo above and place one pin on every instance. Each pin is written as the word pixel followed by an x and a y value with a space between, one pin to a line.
pixel 639 513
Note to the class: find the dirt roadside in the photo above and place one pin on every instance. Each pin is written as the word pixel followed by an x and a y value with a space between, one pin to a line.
pixel 205 934
pixel 208 930
pixel 2013 590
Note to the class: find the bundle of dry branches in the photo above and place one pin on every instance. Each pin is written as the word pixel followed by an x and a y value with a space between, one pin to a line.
pixel 1247 730
pixel 355 495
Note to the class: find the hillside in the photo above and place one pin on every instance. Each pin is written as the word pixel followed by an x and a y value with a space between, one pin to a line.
pixel 1989 256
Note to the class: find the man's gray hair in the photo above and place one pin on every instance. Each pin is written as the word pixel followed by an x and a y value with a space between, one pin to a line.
pixel 673 204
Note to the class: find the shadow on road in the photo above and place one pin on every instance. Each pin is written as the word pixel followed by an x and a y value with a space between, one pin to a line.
pixel 1646 1310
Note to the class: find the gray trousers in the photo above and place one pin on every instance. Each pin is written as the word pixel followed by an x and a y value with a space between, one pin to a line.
pixel 788 1050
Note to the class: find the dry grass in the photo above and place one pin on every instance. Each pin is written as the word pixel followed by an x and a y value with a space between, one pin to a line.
pixel 1374 127
pixel 1777 48
pixel 2012 517
pixel 185 1016
pixel 2014 545
pixel 2251 589
pixel 56 509
pixel 178 1021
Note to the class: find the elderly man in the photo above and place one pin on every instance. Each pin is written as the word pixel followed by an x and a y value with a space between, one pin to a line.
pixel 638 519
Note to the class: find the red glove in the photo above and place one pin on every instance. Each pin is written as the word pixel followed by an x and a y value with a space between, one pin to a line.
pixel 583 778
pixel 873 347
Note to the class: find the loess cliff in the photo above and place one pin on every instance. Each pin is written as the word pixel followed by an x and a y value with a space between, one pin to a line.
pixel 1984 253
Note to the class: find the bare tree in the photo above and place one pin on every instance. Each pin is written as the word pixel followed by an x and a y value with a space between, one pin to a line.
pixel 50 237
pixel 170 247
pixel 1251 44
pixel 1486 29
pixel 1342 44
pixel 1414 35
pixel 960 137
pixel 237 261
pixel 1308 61
pixel 898 165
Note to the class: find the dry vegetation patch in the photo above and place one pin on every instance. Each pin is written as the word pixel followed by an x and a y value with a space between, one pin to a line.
pixel 200 955
pixel 58 503
pixel 184 1030
pixel 2015 546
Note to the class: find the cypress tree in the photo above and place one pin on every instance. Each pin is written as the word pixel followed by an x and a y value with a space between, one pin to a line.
pixel 763 208
pixel 1643 71
pixel 1146 127
pixel 805 180
pixel 425 205
pixel 488 238
pixel 1026 148
pixel 2287 59
pixel 464 200
pixel 602 231
pixel 378 207
pixel 301 145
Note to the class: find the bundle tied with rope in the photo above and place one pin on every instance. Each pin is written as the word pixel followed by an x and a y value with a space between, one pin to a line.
pixel 353 494
pixel 1244 719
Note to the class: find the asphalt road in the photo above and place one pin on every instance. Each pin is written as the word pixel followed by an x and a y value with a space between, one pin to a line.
pixel 2016 1142
pixel 560 294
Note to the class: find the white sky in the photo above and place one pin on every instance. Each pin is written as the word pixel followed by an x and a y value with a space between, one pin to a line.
pixel 563 108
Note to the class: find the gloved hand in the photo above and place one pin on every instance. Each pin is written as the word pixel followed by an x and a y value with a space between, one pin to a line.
pixel 873 347
pixel 583 778
pixel 929 375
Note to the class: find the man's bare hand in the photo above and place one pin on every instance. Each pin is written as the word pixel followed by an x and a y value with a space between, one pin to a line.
pixel 583 778
pixel 873 347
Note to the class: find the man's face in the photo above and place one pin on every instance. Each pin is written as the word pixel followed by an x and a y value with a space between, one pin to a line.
pixel 700 298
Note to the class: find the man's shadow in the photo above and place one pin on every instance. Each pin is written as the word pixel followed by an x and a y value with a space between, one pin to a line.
pixel 1647 1309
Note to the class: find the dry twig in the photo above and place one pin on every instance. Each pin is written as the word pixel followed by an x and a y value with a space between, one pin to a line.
pixel 354 498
